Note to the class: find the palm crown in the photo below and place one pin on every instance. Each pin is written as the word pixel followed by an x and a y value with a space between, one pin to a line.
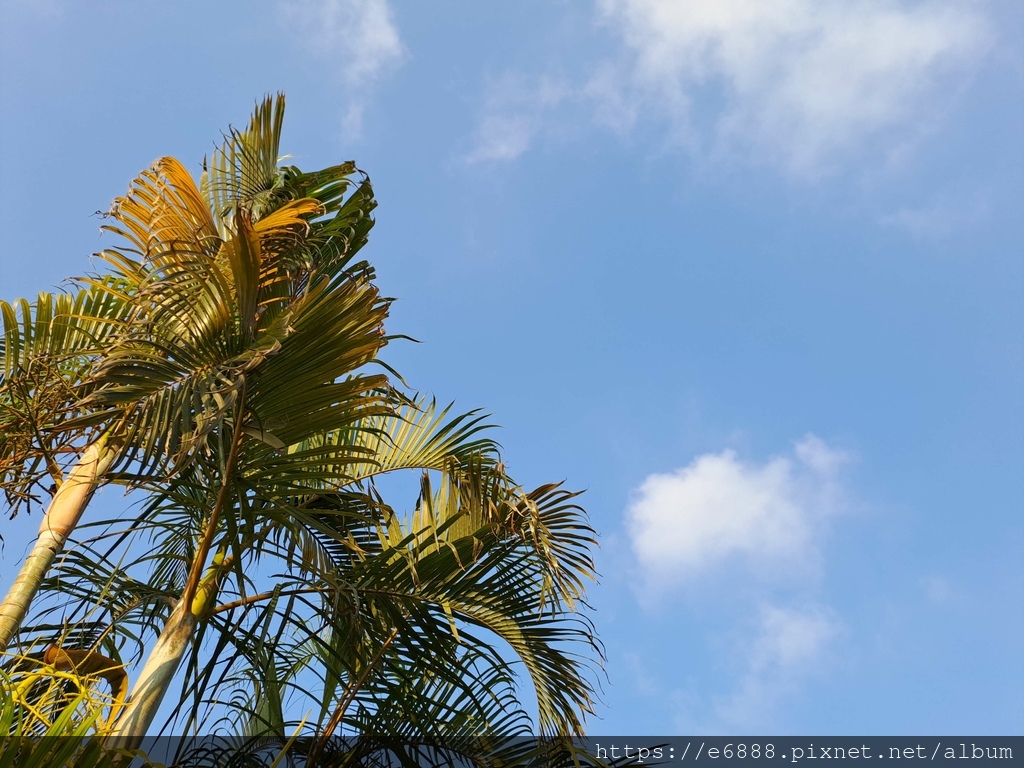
pixel 227 378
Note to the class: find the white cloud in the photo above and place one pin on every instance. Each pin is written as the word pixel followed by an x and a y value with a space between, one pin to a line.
pixel 950 212
pixel 795 83
pixel 502 137
pixel 788 647
pixel 940 590
pixel 803 85
pixel 720 509
pixel 757 523
pixel 791 639
pixel 358 39
pixel 514 113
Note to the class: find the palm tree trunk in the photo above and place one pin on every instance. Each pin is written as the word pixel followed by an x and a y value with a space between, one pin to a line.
pixel 154 679
pixel 177 635
pixel 61 517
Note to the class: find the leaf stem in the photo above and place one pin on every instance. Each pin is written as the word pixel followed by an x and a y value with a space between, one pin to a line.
pixel 206 543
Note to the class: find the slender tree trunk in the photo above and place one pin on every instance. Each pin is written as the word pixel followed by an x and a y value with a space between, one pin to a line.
pixel 61 517
pixel 154 679
pixel 179 631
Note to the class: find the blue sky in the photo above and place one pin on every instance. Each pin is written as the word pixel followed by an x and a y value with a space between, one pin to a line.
pixel 750 271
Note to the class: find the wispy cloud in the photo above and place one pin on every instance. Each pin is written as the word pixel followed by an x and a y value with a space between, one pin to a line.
pixel 358 39
pixel 796 83
pixel 721 510
pixel 514 114
pixel 949 212
pixel 805 86
pixel 939 590
pixel 786 648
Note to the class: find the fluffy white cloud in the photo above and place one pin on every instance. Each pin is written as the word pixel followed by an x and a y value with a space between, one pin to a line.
pixel 721 509
pixel 734 519
pixel 358 38
pixel 796 81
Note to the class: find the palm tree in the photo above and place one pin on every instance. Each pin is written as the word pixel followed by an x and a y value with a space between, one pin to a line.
pixel 266 554
pixel 49 347
pixel 46 350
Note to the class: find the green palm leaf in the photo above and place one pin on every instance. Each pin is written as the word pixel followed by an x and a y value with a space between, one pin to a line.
pixel 46 350
pixel 267 560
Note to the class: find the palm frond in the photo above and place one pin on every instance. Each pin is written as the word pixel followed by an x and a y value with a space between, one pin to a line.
pixel 46 350
pixel 49 717
pixel 227 356
pixel 245 166
pixel 211 306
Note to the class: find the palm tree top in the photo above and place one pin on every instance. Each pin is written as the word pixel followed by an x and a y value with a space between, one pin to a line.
pixel 239 384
